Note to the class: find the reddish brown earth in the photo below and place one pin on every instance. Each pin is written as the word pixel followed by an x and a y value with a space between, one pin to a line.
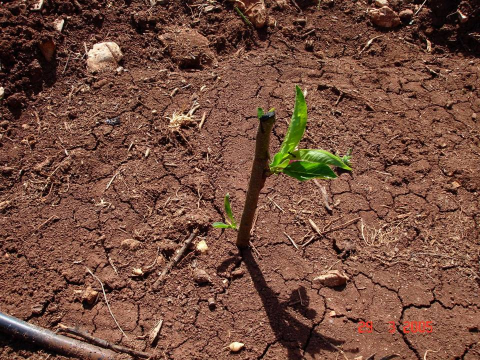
pixel 73 188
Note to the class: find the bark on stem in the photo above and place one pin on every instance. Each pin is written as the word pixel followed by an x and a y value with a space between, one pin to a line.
pixel 260 172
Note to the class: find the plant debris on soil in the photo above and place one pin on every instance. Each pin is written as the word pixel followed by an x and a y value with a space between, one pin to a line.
pixel 106 171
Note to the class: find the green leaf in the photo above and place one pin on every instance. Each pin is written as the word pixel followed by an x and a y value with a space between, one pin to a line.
pixel 220 225
pixel 295 130
pixel 319 156
pixel 259 112
pixel 228 211
pixel 304 170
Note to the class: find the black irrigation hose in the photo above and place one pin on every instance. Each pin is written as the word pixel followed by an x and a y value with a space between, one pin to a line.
pixel 49 340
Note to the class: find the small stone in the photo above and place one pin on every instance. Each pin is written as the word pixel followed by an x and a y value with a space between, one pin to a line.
pixel 119 69
pixel 474 115
pixel 38 6
pixel 309 44
pixel 202 247
pixel 332 313
pixel 100 83
pixel 131 244
pixel 236 346
pixel 237 273
pixel 358 358
pixel 384 17
pixel 348 308
pixel 201 277
pixel 47 48
pixel 4 205
pixel 462 17
pixel 381 3
pixel 89 296
pixel 332 278
pixel 58 24
pixel 2 92
pixel 37 309
pixel 406 15
pixel 212 303
pixel 104 56
pixel 137 272
pixel 455 185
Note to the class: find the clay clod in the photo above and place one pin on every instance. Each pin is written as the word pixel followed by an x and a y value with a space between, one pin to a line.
pixel 332 278
pixel 201 277
pixel 384 17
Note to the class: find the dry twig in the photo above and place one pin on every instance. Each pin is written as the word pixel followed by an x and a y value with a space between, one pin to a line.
pixel 202 121
pixel 174 260
pixel 106 301
pixel 324 195
pixel 369 42
pixel 291 240
pixel 325 231
pixel 101 342
pixel 426 352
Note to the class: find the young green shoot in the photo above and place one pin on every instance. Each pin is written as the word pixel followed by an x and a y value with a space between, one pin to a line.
pixel 231 223
pixel 300 164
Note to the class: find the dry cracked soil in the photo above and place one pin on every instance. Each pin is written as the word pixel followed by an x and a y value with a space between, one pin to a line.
pixel 79 192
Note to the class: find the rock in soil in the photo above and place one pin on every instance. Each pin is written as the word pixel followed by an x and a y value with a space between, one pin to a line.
pixel 381 3
pixel 254 10
pixel 201 277
pixel 236 346
pixel 188 48
pixel 89 296
pixel 202 247
pixel 384 17
pixel 237 273
pixel 2 92
pixel 104 56
pixel 332 278
pixel 406 15
pixel 58 24
pixel 131 244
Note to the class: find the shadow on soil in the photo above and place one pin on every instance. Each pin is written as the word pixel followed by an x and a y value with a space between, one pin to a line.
pixel 292 334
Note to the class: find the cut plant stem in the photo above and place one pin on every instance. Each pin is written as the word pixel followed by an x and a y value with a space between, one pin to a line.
pixel 260 172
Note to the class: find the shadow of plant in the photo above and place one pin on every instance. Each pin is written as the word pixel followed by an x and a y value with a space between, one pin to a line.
pixel 289 331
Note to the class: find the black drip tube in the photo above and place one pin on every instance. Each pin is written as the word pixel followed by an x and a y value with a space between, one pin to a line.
pixel 49 340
